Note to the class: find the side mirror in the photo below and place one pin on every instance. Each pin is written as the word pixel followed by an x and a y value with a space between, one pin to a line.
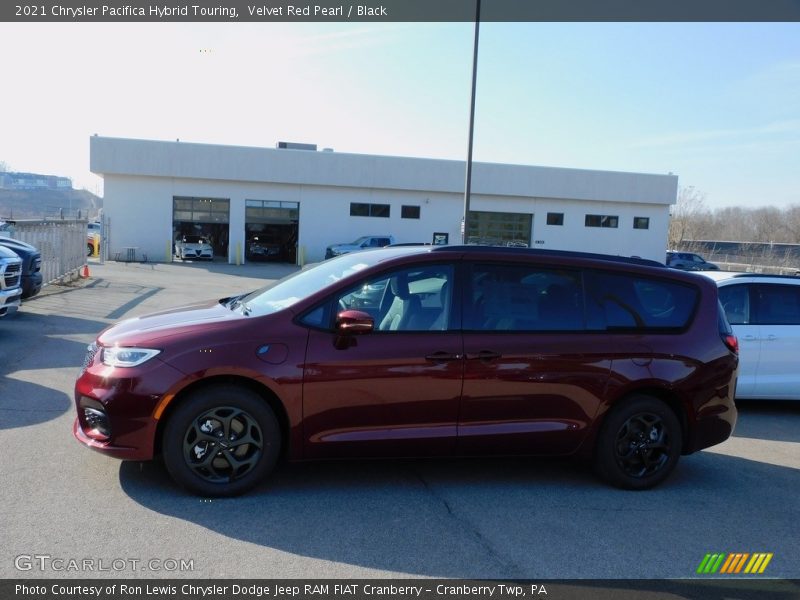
pixel 349 322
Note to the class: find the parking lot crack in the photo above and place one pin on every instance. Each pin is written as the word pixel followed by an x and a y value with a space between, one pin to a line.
pixel 510 569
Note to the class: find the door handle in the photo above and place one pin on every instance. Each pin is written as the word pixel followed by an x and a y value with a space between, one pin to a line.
pixel 442 356
pixel 484 355
pixel 772 338
pixel 749 338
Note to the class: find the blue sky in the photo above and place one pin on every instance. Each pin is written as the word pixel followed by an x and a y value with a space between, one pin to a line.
pixel 716 104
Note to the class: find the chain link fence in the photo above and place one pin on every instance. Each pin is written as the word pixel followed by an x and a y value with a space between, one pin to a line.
pixel 750 257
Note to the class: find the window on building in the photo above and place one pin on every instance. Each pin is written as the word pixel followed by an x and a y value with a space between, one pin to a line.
pixel 602 221
pixel 409 212
pixel 200 210
pixel 499 229
pixel 555 218
pixel 360 209
pixel 357 209
pixel 641 222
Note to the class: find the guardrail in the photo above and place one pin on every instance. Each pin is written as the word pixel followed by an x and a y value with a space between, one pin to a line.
pixel 61 243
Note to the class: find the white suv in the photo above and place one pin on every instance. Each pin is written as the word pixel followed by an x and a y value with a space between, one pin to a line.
pixel 764 311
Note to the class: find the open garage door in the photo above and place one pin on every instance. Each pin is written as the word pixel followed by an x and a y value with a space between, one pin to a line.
pixel 205 217
pixel 271 230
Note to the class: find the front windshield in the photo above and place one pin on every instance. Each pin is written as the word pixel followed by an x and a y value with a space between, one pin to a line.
pixel 359 241
pixel 300 285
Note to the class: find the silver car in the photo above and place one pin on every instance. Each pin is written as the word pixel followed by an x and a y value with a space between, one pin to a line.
pixel 764 311
pixel 193 246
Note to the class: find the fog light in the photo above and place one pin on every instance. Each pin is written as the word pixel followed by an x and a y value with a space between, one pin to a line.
pixel 97 423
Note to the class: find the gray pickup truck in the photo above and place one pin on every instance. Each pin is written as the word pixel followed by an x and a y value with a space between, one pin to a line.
pixel 363 243
pixel 10 278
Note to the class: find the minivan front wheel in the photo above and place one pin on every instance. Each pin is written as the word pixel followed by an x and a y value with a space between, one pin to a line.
pixel 639 444
pixel 221 441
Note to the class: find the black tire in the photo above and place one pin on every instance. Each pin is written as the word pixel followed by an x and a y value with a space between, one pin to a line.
pixel 221 441
pixel 639 443
pixel 89 249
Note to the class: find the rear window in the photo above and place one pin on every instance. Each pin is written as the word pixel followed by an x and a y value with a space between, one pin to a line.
pixel 618 301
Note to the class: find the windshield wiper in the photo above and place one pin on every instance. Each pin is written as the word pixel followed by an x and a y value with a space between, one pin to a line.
pixel 233 302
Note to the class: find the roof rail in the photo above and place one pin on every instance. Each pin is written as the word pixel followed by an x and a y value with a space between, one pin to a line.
pixel 765 275
pixel 633 260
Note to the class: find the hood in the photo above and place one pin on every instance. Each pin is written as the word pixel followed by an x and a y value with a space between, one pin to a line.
pixel 183 321
pixel 15 244
pixel 6 253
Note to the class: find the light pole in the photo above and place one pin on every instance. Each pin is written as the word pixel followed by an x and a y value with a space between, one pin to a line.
pixel 468 183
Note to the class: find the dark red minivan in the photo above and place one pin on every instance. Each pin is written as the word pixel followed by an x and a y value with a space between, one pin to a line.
pixel 421 351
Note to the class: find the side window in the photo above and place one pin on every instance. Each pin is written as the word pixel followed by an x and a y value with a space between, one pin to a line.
pixel 508 297
pixel 777 304
pixel 735 300
pixel 621 301
pixel 317 318
pixel 416 299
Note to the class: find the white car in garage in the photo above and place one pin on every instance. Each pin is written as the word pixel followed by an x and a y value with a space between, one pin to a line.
pixel 193 246
pixel 764 311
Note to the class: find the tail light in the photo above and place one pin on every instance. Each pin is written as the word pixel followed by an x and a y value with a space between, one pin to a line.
pixel 731 342
pixel 726 331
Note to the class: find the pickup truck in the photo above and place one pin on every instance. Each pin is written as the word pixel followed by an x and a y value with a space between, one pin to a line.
pixel 10 277
pixel 362 243
pixel 31 265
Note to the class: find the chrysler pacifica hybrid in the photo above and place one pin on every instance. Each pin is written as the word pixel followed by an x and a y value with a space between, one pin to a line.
pixel 421 351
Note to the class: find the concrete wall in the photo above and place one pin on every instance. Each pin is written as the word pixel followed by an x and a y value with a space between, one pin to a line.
pixel 142 177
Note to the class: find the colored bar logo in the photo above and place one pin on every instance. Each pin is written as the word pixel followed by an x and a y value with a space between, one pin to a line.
pixel 734 563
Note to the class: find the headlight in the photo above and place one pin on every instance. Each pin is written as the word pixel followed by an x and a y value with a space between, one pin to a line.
pixel 127 357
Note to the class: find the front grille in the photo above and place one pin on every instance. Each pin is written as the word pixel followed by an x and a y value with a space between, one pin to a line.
pixel 91 351
pixel 12 275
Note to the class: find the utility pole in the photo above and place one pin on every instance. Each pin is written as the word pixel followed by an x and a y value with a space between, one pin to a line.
pixel 468 183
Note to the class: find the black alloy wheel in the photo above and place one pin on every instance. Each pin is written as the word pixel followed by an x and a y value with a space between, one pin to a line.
pixel 639 443
pixel 221 441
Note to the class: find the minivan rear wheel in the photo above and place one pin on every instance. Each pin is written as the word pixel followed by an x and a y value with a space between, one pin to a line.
pixel 639 443
pixel 221 441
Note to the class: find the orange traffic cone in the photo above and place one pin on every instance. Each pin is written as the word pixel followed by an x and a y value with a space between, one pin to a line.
pixel 85 271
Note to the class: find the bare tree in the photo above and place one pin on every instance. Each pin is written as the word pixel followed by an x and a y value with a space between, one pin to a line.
pixel 689 217
pixel 791 223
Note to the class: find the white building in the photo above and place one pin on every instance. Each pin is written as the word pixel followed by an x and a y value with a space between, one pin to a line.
pixel 156 190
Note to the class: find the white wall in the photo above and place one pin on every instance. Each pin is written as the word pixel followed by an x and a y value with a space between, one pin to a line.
pixel 142 177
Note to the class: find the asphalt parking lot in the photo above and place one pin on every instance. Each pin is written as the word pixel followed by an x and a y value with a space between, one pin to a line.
pixel 511 518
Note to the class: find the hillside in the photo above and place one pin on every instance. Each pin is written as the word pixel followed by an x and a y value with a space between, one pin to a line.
pixel 41 204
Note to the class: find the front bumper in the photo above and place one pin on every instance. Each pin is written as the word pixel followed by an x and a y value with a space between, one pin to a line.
pixel 129 398
pixel 186 253
pixel 31 284
pixel 331 253
pixel 9 301
pixel 109 449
